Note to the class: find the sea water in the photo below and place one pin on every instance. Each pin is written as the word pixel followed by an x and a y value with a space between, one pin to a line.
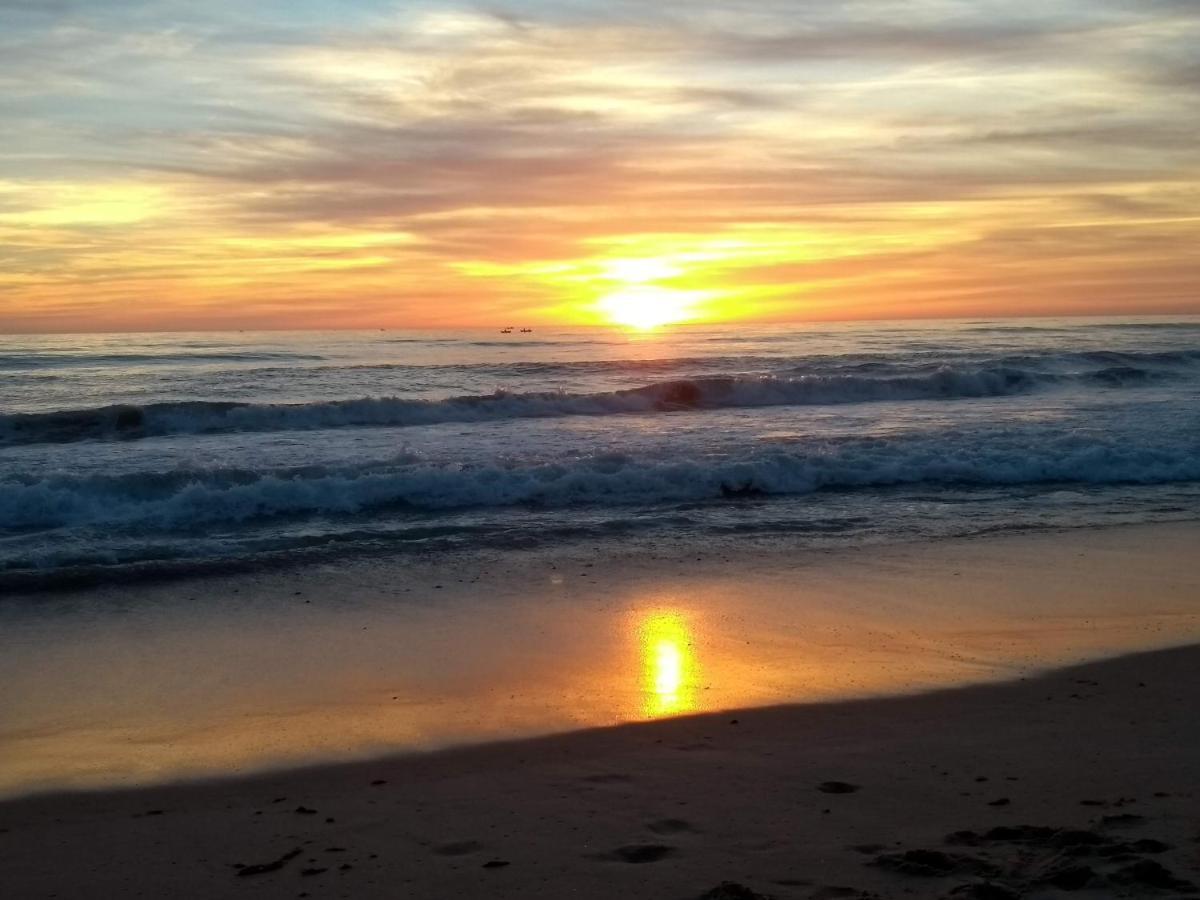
pixel 122 455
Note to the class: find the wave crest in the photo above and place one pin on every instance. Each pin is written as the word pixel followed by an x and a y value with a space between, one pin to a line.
pixel 183 500
pixel 716 392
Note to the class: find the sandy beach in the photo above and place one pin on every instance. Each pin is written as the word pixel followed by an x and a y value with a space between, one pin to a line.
pixel 136 684
pixel 1083 779
pixel 997 766
pixel 686 450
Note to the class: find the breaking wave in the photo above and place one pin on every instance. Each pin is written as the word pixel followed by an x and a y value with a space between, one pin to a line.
pixel 184 499
pixel 703 393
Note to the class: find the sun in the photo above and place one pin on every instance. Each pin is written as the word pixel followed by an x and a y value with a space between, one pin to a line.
pixel 638 300
pixel 645 306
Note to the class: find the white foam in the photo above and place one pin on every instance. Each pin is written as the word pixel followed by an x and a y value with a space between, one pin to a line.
pixel 182 500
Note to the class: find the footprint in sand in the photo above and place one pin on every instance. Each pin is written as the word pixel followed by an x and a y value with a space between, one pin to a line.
pixel 933 863
pixel 670 826
pixel 262 868
pixel 982 890
pixel 731 890
pixel 1039 857
pixel 637 853
pixel 837 787
pixel 1121 820
pixel 608 778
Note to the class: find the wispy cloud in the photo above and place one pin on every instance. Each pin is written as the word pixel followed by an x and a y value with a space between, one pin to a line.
pixel 316 163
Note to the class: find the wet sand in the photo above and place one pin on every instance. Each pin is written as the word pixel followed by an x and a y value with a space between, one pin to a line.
pixel 151 683
pixel 1086 778
pixel 1081 781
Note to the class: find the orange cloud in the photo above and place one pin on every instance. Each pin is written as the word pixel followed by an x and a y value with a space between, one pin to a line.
pixel 441 166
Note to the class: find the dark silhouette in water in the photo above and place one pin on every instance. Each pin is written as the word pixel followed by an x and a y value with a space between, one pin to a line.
pixel 679 395
pixel 129 417
pixel 742 492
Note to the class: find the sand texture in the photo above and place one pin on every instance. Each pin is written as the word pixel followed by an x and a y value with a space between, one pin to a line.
pixel 1078 783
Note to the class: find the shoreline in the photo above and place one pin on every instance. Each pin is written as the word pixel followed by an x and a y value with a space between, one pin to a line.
pixel 23 584
pixel 161 683
pixel 816 800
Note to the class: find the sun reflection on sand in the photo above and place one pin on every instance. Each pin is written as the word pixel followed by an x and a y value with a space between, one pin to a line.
pixel 669 668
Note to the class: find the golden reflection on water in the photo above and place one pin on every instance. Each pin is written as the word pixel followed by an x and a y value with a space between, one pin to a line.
pixel 669 668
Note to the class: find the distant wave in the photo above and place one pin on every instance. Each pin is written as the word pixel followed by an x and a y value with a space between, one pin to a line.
pixel 906 363
pixel 415 340
pixel 53 360
pixel 987 328
pixel 1192 325
pixel 881 364
pixel 535 343
pixel 995 328
pixel 689 394
pixel 1080 364
pixel 186 499
pixel 547 369
pixel 515 342
pixel 1111 358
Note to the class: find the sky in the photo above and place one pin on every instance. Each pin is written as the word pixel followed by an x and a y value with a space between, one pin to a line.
pixel 362 163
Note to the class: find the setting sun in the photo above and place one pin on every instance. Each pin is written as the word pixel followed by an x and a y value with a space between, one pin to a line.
pixel 645 306
pixel 638 299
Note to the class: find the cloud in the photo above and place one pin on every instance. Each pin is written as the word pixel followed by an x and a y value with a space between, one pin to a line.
pixel 528 132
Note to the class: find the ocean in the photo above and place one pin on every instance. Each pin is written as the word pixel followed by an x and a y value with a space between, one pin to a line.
pixel 166 454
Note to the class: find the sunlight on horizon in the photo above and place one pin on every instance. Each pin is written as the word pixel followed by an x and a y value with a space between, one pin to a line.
pixel 628 166
pixel 646 307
